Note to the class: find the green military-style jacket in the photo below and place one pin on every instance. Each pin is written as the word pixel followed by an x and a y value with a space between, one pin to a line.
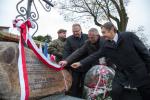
pixel 56 47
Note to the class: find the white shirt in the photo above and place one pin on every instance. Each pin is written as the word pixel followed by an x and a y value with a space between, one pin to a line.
pixel 115 38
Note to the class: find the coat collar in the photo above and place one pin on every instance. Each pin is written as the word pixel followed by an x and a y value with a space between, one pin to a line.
pixel 110 44
pixel 120 39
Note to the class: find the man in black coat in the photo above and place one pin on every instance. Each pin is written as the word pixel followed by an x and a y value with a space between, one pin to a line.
pixel 90 46
pixel 130 56
pixel 74 42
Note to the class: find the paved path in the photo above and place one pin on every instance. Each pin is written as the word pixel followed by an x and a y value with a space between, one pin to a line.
pixel 61 97
pixel 128 95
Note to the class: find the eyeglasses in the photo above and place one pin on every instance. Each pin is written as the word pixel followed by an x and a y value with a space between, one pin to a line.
pixel 76 31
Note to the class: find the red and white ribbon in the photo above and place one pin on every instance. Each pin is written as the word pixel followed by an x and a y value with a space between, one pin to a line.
pixel 23 75
pixel 26 38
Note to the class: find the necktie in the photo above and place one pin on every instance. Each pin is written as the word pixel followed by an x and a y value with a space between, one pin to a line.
pixel 113 42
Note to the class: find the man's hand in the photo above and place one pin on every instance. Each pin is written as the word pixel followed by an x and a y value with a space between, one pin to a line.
pixel 76 65
pixel 63 63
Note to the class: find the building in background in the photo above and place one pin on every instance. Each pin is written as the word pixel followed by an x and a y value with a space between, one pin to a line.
pixel 4 28
pixel 5 35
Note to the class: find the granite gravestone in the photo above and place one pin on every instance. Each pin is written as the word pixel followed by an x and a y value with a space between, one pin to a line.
pixel 43 81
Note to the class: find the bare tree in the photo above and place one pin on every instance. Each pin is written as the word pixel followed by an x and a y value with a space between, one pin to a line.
pixel 140 32
pixel 98 10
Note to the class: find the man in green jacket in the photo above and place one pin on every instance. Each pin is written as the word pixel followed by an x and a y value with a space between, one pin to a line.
pixel 56 47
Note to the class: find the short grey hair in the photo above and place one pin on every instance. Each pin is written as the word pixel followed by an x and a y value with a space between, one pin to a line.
pixel 76 24
pixel 94 30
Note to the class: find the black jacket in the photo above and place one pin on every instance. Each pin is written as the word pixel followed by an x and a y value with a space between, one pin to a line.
pixel 72 44
pixel 130 56
pixel 87 49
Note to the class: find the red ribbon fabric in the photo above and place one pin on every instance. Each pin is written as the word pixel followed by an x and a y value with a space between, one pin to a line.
pixel 26 38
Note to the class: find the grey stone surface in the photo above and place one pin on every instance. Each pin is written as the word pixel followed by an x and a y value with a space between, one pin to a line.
pixel 42 80
pixel 61 97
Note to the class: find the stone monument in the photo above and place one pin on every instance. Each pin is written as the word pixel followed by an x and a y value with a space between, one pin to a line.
pixel 43 81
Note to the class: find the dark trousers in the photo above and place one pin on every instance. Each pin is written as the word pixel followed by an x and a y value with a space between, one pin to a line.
pixel 118 92
pixel 145 91
pixel 77 84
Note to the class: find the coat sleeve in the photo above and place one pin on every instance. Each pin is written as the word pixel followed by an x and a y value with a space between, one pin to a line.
pixel 67 49
pixel 141 49
pixel 78 53
pixel 90 59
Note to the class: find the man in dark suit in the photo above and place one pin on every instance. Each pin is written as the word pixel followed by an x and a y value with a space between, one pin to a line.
pixel 130 56
pixel 74 42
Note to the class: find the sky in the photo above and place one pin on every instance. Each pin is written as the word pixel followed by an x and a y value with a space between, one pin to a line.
pixel 50 22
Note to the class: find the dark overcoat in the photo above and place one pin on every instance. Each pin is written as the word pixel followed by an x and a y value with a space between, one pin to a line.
pixel 72 44
pixel 87 49
pixel 130 56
